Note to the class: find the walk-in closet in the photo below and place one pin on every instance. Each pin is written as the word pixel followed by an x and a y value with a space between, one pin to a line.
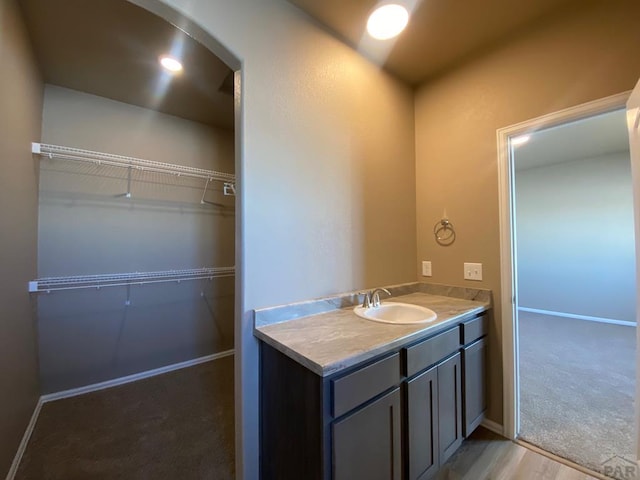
pixel 133 301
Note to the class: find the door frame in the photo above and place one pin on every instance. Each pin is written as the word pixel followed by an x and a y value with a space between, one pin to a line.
pixel 633 126
pixel 246 458
pixel 508 291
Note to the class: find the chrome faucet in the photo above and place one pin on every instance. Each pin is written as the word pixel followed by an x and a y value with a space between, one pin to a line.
pixel 375 296
pixel 372 298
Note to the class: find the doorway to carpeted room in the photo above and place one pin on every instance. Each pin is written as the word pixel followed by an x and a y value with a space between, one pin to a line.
pixel 576 291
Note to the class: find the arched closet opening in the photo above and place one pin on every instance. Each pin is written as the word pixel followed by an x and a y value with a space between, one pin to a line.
pixel 134 295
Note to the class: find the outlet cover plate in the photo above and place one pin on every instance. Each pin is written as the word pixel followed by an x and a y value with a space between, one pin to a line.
pixel 473 271
pixel 426 269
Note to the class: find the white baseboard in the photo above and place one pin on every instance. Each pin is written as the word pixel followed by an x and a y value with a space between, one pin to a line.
pixel 25 441
pixel 493 426
pixel 50 397
pixel 578 317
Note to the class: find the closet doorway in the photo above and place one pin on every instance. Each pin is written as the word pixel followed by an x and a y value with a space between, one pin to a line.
pixel 135 294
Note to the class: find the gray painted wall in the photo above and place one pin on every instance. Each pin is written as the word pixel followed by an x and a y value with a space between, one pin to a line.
pixel 327 193
pixel 584 53
pixel 86 226
pixel 20 114
pixel 575 238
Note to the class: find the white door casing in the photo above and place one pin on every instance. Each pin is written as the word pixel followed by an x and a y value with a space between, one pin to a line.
pixel 633 125
pixel 511 394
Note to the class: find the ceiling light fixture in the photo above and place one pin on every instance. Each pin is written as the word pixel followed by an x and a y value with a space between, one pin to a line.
pixel 520 140
pixel 170 64
pixel 387 21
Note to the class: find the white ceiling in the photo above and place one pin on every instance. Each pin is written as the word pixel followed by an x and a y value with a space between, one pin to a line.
pixel 440 33
pixel 110 48
pixel 592 137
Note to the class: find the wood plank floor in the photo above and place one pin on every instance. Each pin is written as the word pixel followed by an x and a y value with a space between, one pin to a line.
pixel 487 456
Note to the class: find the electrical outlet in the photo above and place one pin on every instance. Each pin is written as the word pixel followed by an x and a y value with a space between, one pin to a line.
pixel 473 271
pixel 426 269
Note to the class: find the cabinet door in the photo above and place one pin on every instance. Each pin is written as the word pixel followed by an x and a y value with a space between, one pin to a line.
pixel 474 377
pixel 449 406
pixel 367 444
pixel 422 425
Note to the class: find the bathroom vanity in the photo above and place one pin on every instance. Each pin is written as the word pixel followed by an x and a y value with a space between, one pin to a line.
pixel 344 398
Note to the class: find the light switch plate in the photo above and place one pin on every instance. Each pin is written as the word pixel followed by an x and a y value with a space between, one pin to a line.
pixel 426 269
pixel 473 271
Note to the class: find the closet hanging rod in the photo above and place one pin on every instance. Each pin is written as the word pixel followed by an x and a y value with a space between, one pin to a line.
pixel 99 158
pixel 50 284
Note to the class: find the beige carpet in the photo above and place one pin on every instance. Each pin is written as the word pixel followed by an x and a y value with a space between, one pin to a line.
pixel 577 388
pixel 177 426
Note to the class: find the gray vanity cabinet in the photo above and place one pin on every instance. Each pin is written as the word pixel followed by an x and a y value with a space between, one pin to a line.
pixel 422 425
pixel 367 443
pixel 449 407
pixel 398 416
pixel 475 395
pixel 474 360
pixel 434 408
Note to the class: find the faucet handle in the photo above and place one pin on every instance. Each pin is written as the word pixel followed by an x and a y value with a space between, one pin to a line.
pixel 366 303
pixel 375 296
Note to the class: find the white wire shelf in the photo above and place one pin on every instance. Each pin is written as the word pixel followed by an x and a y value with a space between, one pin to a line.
pixel 99 158
pixel 51 284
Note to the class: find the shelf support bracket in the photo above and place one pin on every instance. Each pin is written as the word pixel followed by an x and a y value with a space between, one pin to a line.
pixel 229 189
pixel 204 192
pixel 128 194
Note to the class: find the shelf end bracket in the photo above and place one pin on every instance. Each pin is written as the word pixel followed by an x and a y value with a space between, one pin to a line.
pixel 229 189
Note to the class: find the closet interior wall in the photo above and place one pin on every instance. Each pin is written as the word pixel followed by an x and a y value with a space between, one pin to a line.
pixel 87 225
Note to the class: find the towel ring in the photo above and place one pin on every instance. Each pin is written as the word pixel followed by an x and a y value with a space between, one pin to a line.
pixel 444 232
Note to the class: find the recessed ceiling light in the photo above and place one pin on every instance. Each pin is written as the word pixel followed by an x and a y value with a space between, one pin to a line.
pixel 170 63
pixel 520 140
pixel 387 21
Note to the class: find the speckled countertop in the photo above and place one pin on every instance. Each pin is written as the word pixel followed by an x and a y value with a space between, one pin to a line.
pixel 331 341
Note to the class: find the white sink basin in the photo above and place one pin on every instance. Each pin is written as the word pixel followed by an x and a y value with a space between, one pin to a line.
pixel 398 313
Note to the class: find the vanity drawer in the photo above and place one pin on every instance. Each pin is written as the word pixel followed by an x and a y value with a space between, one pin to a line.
pixel 363 384
pixel 474 329
pixel 432 350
